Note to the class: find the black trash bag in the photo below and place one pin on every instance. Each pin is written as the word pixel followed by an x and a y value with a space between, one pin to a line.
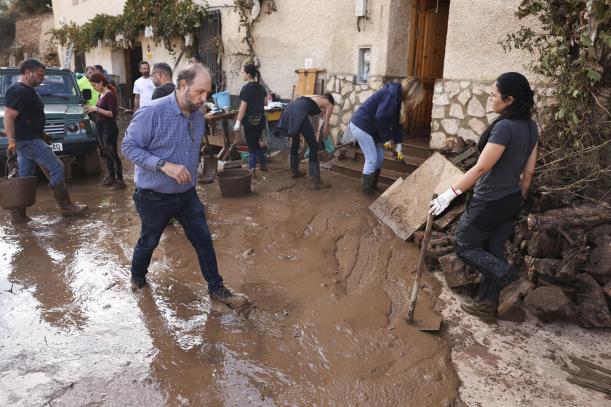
pixel 12 167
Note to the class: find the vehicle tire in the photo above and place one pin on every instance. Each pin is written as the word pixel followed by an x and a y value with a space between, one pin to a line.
pixel 92 163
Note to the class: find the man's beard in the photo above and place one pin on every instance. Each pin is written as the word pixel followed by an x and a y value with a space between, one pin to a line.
pixel 192 107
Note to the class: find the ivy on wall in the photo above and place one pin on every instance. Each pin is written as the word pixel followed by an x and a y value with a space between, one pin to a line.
pixel 572 49
pixel 170 20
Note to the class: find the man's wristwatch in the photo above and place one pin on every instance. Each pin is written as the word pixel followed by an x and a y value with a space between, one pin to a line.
pixel 160 164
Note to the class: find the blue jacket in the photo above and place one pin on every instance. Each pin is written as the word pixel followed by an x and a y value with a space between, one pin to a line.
pixel 379 115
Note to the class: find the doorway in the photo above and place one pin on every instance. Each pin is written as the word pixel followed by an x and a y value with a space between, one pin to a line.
pixel 429 26
pixel 133 57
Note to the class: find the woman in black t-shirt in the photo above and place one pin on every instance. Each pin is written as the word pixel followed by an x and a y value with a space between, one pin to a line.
pixel 502 176
pixel 253 99
pixel 108 132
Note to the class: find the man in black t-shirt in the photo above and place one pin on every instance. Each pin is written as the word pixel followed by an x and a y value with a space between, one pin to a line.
pixel 24 123
pixel 162 79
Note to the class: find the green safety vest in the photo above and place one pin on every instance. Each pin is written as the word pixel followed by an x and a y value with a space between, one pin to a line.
pixel 84 83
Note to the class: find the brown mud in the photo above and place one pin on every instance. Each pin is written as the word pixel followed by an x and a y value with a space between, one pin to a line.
pixel 329 284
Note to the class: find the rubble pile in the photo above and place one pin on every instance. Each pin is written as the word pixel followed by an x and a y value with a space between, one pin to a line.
pixel 564 252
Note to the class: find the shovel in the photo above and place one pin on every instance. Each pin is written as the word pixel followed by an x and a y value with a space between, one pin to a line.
pixel 426 320
pixel 210 164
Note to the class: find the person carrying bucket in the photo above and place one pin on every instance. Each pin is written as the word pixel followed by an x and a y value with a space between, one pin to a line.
pixel 24 123
pixel 253 99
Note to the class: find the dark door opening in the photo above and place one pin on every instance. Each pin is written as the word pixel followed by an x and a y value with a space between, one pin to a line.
pixel 429 26
pixel 133 57
pixel 209 39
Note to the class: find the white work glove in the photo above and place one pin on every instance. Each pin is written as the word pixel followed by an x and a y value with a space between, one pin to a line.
pixel 439 204
pixel 236 126
pixel 388 145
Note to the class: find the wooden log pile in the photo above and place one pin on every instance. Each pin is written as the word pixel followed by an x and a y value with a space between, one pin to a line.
pixel 565 252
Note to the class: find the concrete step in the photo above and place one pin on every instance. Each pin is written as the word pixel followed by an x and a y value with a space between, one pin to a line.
pixel 410 163
pixel 354 169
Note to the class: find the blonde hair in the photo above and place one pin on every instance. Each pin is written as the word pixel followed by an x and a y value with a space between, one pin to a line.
pixel 412 92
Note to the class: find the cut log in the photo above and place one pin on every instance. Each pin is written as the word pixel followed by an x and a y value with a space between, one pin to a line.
pixel 600 235
pixel 600 263
pixel 448 217
pixel 543 244
pixel 586 216
pixel 570 267
pixel 520 232
pixel 455 271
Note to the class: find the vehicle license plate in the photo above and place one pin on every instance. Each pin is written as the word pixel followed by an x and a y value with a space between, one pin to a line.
pixel 57 147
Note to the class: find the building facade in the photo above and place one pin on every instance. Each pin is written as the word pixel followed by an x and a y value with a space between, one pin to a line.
pixel 361 44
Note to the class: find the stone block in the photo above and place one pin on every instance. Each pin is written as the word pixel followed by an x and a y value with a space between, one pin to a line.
pixel 347 104
pixel 438 89
pixel 364 95
pixel 463 97
pixel 438 140
pixel 435 125
pixel 456 111
pixel 593 308
pixel 489 106
pixel 450 126
pixel 477 125
pixel 452 88
pixel 549 303
pixel 467 135
pixel 475 108
pixel 478 89
pixel 438 112
pixel 441 100
pixel 346 118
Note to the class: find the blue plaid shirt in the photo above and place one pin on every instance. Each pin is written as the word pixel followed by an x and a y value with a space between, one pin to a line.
pixel 160 131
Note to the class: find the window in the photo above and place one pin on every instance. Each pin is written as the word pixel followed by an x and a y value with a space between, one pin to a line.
pixel 364 65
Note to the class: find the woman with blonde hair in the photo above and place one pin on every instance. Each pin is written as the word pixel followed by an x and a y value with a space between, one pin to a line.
pixel 379 120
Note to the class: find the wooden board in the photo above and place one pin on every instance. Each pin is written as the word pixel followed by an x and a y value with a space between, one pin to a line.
pixel 403 206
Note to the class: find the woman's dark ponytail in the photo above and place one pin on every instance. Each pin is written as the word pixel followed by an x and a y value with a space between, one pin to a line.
pixel 252 70
pixel 516 85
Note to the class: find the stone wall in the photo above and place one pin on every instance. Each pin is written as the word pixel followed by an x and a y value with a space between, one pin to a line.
pixel 32 39
pixel 348 96
pixel 462 111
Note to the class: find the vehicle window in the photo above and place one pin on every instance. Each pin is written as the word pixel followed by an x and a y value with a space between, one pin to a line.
pixel 54 85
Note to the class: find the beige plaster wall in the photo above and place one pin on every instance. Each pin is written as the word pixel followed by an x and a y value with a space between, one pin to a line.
pixel 474 29
pixel 323 30
pixel 319 29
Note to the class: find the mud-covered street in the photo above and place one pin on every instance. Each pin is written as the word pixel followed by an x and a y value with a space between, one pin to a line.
pixel 328 282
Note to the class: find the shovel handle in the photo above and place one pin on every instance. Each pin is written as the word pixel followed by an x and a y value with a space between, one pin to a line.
pixel 425 244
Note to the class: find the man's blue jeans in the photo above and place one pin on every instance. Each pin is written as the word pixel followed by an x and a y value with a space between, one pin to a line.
pixel 156 210
pixel 32 152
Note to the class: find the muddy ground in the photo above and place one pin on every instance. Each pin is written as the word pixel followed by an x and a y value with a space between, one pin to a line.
pixel 328 282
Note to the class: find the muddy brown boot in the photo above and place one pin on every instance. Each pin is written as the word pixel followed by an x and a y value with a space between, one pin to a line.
pixel 19 215
pixel 108 181
pixel 295 173
pixel 314 174
pixel 60 193
pixel 118 184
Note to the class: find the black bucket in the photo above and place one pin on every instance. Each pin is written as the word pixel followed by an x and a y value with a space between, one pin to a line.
pixel 234 182
pixel 19 192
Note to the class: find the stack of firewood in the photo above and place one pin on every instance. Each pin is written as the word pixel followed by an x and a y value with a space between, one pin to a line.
pixel 565 252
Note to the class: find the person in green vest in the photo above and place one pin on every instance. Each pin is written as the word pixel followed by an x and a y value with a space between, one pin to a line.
pixel 84 83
